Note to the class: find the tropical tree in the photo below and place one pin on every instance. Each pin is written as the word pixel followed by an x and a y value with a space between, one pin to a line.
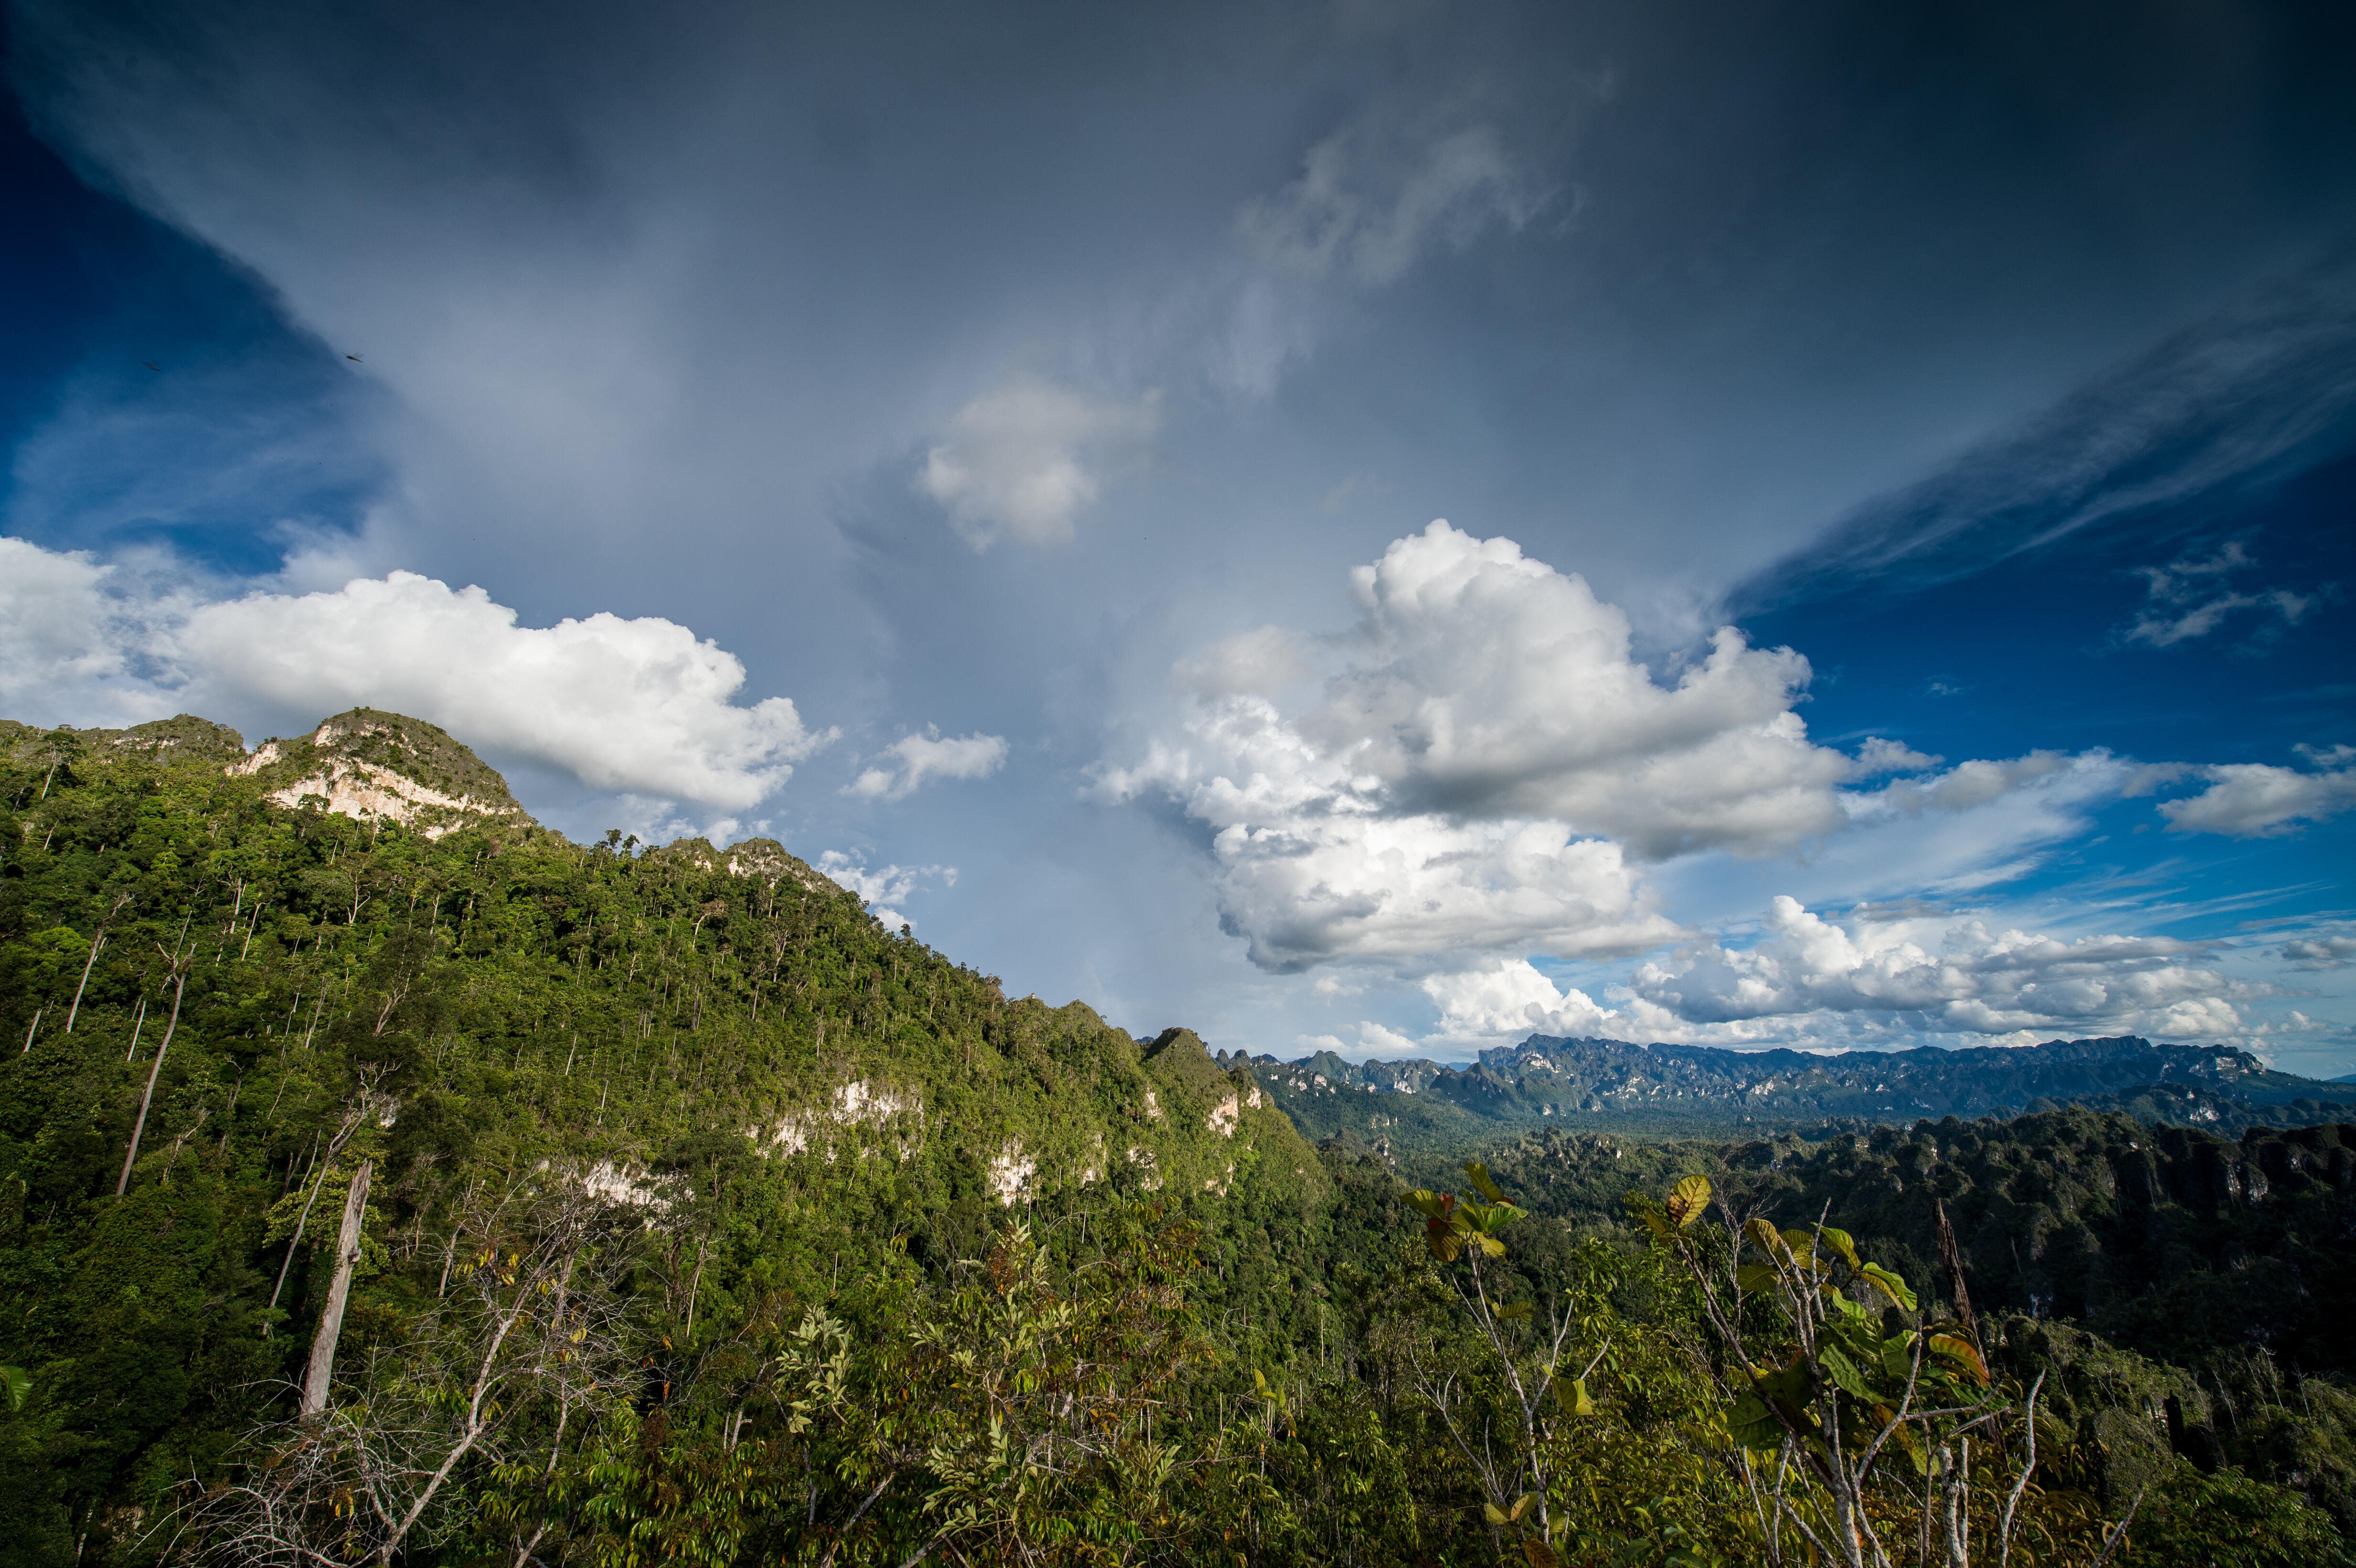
pixel 1852 1412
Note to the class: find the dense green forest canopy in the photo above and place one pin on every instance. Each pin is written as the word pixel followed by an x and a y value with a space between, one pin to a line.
pixel 404 1182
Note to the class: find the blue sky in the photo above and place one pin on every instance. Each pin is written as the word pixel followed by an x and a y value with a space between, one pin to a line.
pixel 1898 473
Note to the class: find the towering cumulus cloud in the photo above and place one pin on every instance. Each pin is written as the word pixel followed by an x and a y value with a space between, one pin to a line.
pixel 1483 770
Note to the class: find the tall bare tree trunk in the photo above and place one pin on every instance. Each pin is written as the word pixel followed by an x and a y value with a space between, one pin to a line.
pixel 331 1320
pixel 88 964
pixel 1951 1258
pixel 96 942
pixel 123 1182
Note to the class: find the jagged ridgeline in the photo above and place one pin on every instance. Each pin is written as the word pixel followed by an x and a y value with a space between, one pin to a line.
pixel 1422 1113
pixel 358 934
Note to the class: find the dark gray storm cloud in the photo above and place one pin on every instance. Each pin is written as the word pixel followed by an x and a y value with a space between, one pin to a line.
pixel 969 367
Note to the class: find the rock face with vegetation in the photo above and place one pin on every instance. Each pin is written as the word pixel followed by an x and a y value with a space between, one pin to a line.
pixel 384 767
pixel 1418 1106
pixel 385 1178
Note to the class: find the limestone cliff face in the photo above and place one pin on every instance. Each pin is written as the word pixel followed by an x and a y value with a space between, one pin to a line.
pixel 385 766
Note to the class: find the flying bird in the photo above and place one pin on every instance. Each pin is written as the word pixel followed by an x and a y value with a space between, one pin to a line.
pixel 353 357
pixel 151 363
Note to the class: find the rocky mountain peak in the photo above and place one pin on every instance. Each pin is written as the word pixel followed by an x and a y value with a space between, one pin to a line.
pixel 389 766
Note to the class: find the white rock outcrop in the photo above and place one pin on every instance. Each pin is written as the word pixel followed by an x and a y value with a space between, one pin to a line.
pixel 858 1103
pixel 1010 1171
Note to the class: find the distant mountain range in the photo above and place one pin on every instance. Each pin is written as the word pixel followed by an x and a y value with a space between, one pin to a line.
pixel 1688 1090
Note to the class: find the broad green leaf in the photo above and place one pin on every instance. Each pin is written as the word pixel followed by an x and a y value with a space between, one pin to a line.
pixel 1752 1423
pixel 1573 1397
pixel 1843 1245
pixel 1539 1553
pixel 1431 1204
pixel 1802 1244
pixel 1496 1515
pixel 1843 1373
pixel 1753 1279
pixel 1519 1310
pixel 1260 1382
pixel 1688 1199
pixel 1443 1245
pixel 1960 1352
pixel 1898 1358
pixel 1521 1506
pixel 19 1384
pixel 1891 1285
pixel 1479 1175
pixel 1491 1245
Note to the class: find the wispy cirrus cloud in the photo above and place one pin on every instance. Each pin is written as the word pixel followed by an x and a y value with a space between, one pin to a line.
pixel 2260 390
pixel 1367 205
pixel 2194 595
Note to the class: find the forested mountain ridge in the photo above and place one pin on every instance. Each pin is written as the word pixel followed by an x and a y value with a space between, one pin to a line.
pixel 1686 1090
pixel 694 1026
pixel 385 1179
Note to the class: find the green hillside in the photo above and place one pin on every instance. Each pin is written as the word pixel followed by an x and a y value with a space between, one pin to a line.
pixel 697 1218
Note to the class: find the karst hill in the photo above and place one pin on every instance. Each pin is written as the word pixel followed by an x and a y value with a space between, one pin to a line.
pixel 614 1002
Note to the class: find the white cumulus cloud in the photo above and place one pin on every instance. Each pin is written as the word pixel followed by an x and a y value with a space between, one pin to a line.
pixel 885 888
pixel 1874 978
pixel 71 640
pixel 1954 972
pixel 2325 950
pixel 1510 1000
pixel 1483 771
pixel 640 707
pixel 915 758
pixel 1483 683
pixel 1023 461
pixel 2256 800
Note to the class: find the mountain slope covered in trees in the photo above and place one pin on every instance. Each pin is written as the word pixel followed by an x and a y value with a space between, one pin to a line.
pixel 386 1178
